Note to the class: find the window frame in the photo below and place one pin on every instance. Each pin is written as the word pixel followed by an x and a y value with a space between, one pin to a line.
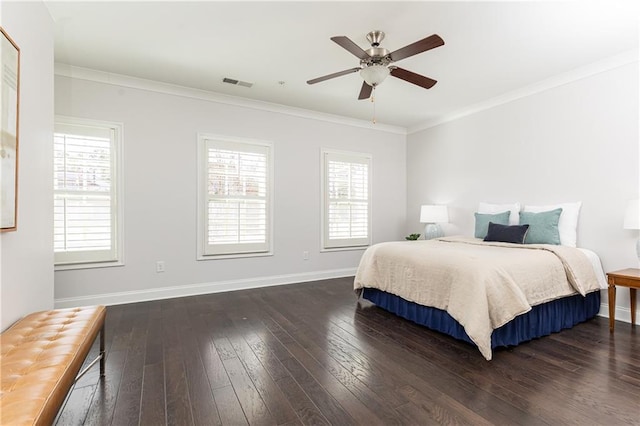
pixel 83 259
pixel 352 243
pixel 203 253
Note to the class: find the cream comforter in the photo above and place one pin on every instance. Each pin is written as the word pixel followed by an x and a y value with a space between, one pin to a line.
pixel 481 285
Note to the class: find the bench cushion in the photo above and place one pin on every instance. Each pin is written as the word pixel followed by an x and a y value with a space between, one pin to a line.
pixel 40 356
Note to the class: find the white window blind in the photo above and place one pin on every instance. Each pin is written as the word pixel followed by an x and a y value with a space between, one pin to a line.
pixel 346 199
pixel 235 189
pixel 85 196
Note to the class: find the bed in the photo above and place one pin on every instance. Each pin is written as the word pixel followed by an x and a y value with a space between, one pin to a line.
pixel 490 294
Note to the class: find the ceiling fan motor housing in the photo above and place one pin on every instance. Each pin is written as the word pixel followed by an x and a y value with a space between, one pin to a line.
pixel 377 56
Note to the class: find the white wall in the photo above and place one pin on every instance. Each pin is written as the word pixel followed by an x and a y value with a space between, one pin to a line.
pixel 160 193
pixel 26 266
pixel 574 142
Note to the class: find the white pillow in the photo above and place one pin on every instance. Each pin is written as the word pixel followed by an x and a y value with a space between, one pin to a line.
pixel 514 208
pixel 568 224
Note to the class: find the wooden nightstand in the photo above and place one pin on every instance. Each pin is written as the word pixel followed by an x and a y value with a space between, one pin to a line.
pixel 625 278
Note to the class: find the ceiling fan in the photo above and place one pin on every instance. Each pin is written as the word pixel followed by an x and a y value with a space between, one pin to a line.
pixel 375 62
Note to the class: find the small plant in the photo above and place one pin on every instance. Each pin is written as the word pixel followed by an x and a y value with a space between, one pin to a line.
pixel 412 237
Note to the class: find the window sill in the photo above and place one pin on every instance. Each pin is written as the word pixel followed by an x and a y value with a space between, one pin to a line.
pixel 91 265
pixel 325 250
pixel 232 256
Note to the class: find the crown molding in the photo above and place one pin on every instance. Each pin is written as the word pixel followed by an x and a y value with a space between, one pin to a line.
pixel 598 67
pixel 607 64
pixel 122 80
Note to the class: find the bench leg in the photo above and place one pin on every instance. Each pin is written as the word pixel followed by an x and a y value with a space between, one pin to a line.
pixel 100 357
pixel 102 354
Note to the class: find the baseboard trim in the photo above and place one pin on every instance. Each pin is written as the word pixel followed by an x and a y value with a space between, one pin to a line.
pixel 622 314
pixel 197 289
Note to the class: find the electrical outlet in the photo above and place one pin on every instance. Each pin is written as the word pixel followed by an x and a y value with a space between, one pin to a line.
pixel 160 266
pixel 305 255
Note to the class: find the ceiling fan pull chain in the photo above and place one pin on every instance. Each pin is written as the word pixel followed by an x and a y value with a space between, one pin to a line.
pixel 373 101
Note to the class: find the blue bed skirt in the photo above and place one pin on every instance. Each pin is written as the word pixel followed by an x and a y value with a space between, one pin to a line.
pixel 541 320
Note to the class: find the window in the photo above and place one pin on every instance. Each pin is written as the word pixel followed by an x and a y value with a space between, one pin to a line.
pixel 234 197
pixel 86 189
pixel 346 200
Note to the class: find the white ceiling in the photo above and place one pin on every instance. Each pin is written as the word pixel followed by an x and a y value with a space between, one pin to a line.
pixel 491 48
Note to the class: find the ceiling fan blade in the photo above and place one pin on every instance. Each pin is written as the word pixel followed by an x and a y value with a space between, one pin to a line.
pixel 346 43
pixel 419 46
pixel 334 75
pixel 365 92
pixel 412 77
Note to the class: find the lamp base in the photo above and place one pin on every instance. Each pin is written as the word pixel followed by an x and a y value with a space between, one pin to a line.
pixel 432 230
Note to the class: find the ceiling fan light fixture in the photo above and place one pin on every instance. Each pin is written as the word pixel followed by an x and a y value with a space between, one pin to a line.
pixel 373 75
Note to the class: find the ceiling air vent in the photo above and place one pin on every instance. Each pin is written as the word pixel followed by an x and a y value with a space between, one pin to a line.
pixel 237 82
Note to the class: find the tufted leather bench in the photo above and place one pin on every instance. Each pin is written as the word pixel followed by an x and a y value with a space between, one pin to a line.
pixel 40 357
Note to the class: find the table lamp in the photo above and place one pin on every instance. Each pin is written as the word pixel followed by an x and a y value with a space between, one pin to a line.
pixel 431 215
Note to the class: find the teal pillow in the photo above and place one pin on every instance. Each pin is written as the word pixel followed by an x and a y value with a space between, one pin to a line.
pixel 543 227
pixel 483 219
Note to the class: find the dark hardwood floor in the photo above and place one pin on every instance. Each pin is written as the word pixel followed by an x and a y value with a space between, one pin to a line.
pixel 310 354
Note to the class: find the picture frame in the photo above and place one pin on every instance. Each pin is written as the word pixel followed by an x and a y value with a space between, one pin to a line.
pixel 9 132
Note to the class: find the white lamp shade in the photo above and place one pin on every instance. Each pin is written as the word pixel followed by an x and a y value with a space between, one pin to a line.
pixel 374 74
pixel 632 216
pixel 434 214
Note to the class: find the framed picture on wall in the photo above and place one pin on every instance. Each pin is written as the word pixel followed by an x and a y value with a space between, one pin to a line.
pixel 9 110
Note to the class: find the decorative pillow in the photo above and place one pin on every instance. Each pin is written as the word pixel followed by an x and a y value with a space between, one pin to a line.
pixel 568 225
pixel 482 222
pixel 507 234
pixel 514 208
pixel 543 227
